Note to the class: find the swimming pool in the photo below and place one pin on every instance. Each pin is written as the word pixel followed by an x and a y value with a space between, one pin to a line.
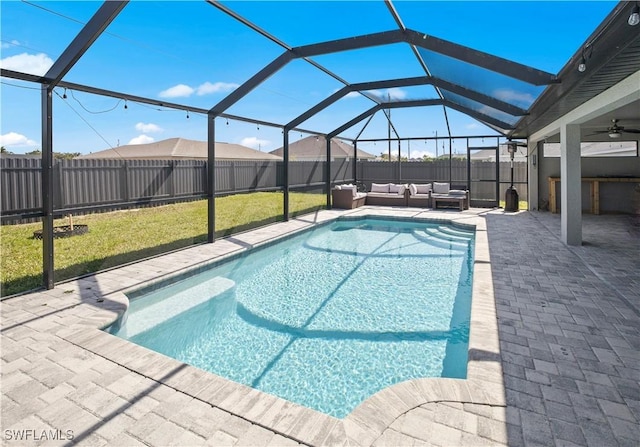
pixel 326 318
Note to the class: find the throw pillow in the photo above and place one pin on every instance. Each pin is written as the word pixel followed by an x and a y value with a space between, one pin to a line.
pixel 379 187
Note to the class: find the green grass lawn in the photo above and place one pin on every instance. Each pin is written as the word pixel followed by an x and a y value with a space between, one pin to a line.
pixel 119 237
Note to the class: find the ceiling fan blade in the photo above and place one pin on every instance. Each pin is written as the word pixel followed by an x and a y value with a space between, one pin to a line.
pixel 631 130
pixel 600 131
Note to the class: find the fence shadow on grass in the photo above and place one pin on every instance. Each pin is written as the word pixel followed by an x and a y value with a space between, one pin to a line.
pixel 248 226
pixel 19 285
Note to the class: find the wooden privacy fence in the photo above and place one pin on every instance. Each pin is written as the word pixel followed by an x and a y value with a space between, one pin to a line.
pixel 88 185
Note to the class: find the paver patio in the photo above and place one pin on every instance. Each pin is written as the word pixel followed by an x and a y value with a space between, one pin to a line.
pixel 560 367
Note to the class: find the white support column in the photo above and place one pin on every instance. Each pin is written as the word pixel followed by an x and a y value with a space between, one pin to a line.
pixel 570 184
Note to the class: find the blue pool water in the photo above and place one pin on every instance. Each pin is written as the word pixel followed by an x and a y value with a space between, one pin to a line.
pixel 326 318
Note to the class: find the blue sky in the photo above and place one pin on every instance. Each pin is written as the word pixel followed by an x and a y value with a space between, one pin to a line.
pixel 191 53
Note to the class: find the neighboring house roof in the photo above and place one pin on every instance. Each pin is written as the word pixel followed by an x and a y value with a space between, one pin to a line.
pixel 315 148
pixel 181 148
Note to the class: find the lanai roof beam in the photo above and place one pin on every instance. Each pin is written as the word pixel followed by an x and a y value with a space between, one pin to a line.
pixel 83 40
pixel 388 105
pixel 404 82
pixel 277 41
pixel 488 61
pixel 419 103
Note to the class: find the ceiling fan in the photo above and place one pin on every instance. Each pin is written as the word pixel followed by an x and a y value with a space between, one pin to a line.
pixel 616 131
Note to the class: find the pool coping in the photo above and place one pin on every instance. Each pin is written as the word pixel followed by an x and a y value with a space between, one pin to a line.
pixel 365 423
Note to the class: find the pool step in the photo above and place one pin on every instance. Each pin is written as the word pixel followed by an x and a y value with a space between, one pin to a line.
pixel 146 317
pixel 465 234
pixel 439 234
pixel 436 239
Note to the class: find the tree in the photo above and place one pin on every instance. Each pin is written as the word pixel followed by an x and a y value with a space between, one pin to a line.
pixel 57 155
pixel 4 150
pixel 65 155
pixel 385 157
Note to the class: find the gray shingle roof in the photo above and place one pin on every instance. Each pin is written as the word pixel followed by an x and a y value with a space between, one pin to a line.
pixel 315 148
pixel 182 148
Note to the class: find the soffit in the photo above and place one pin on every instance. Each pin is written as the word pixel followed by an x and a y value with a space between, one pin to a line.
pixel 615 56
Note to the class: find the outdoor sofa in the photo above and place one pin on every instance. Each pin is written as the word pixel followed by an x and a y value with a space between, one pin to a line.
pixel 381 194
pixel 347 197
pixel 420 195
pixel 387 194
pixel 428 195
pixel 432 194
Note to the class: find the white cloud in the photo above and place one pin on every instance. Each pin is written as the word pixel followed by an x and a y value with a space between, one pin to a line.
pixel 509 95
pixel 348 95
pixel 393 93
pixel 9 44
pixel 390 94
pixel 177 91
pixel 184 91
pixel 396 93
pixel 148 128
pixel 142 139
pixel 254 143
pixel 16 139
pixel 36 64
pixel 472 126
pixel 218 87
pixel 420 154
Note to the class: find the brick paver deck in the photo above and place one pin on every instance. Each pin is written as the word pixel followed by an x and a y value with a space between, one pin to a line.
pixel 554 356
